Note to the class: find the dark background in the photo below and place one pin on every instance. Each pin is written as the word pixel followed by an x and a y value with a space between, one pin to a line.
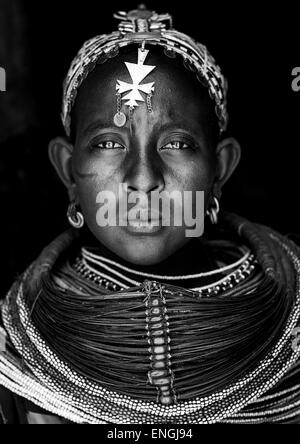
pixel 257 49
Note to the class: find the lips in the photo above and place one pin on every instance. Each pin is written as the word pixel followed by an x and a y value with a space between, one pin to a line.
pixel 154 218
pixel 149 225
pixel 143 228
pixel 147 220
pixel 144 223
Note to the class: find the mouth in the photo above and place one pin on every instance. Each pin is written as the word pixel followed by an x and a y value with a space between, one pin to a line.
pixel 144 226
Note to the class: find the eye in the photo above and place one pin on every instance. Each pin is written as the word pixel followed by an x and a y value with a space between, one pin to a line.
pixel 176 145
pixel 107 145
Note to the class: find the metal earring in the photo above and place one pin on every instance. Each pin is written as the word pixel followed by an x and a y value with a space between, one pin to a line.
pixel 214 211
pixel 75 218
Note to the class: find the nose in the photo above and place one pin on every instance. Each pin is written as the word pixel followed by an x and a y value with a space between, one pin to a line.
pixel 144 173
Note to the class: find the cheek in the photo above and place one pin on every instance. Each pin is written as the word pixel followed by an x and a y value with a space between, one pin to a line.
pixel 87 193
pixel 88 164
pixel 195 175
pixel 92 176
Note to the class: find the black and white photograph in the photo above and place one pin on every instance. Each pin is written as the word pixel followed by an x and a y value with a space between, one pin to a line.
pixel 150 223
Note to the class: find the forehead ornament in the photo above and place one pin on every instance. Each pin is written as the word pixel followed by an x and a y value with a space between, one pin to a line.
pixel 131 92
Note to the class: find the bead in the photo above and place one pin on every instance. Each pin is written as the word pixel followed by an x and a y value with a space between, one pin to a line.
pixel 156 326
pixel 158 373
pixel 162 381
pixel 155 311
pixel 156 319
pixel 165 389
pixel 155 302
pixel 165 400
pixel 159 341
pixel 159 365
pixel 157 332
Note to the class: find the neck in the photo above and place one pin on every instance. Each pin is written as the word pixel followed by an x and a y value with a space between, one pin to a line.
pixel 194 257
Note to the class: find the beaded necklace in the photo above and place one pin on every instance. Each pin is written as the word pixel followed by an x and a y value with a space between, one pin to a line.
pixel 115 280
pixel 58 386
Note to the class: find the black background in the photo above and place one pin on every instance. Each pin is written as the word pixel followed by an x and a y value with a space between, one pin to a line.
pixel 257 48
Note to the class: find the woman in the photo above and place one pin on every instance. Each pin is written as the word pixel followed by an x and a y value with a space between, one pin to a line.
pixel 130 319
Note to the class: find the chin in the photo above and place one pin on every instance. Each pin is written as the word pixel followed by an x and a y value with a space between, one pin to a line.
pixel 141 249
pixel 143 252
pixel 152 258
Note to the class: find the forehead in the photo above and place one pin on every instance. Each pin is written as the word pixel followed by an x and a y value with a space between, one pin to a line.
pixel 178 96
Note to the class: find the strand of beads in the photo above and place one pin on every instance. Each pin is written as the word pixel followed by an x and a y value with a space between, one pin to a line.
pixel 228 282
pixel 101 260
pixel 157 325
pixel 98 279
pixel 245 270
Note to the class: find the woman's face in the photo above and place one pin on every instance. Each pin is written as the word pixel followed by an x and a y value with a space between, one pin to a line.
pixel 168 150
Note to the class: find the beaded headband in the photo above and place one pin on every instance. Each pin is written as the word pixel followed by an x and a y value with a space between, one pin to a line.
pixel 142 27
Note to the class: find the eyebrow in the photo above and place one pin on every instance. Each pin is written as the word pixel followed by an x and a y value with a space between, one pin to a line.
pixel 180 126
pixel 105 125
pixel 172 125
pixel 99 125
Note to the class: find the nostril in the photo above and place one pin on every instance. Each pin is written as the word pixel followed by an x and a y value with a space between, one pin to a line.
pixel 144 180
pixel 156 188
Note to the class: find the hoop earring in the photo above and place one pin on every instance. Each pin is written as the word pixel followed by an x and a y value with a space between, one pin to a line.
pixel 75 218
pixel 214 211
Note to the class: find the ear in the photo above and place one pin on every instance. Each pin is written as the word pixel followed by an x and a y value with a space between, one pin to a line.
pixel 228 157
pixel 60 154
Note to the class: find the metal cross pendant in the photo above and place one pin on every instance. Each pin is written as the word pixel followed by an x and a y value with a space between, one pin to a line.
pixel 138 72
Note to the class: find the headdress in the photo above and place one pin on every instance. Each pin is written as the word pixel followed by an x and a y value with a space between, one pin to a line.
pixel 141 27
